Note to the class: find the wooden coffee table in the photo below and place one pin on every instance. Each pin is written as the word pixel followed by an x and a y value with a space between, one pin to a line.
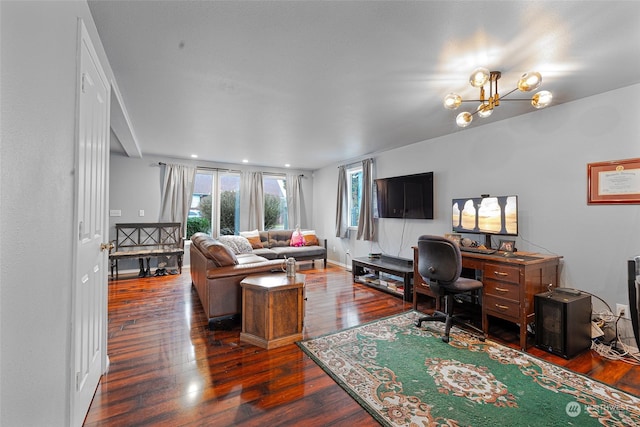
pixel 272 309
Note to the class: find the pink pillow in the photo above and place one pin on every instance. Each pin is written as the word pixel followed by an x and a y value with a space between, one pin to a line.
pixel 297 239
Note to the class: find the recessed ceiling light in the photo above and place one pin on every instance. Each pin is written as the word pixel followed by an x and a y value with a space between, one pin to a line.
pixel 194 156
pixel 245 161
pixel 287 165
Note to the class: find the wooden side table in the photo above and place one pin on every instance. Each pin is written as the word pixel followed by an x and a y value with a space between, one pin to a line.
pixel 272 309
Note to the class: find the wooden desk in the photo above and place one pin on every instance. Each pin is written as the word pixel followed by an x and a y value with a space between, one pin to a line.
pixel 272 309
pixel 510 284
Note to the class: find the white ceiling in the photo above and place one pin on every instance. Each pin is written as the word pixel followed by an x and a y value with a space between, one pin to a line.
pixel 311 83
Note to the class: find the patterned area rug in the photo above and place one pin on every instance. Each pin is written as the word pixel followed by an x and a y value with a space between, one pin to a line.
pixel 406 376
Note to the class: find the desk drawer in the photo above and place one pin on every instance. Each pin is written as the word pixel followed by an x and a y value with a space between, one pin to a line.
pixel 502 289
pixel 505 273
pixel 503 306
pixel 478 264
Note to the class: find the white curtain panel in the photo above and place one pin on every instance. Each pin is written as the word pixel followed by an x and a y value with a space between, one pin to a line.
pixel 251 201
pixel 294 196
pixel 177 191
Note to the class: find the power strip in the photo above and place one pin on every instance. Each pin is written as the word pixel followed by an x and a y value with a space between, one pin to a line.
pixel 596 331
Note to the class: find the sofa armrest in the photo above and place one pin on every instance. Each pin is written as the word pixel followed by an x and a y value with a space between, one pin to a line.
pixel 245 269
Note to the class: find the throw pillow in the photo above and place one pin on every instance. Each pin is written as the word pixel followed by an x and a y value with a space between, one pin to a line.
pixel 310 238
pixel 243 245
pixel 238 244
pixel 255 242
pixel 228 241
pixel 253 237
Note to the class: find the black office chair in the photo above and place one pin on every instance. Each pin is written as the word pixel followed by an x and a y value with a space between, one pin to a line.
pixel 440 265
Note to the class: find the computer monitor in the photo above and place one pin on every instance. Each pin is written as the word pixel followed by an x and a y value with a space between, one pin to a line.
pixel 490 215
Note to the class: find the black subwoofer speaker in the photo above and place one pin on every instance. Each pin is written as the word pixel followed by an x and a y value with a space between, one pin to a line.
pixel 563 322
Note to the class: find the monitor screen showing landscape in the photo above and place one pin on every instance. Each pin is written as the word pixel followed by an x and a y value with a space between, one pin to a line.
pixel 487 215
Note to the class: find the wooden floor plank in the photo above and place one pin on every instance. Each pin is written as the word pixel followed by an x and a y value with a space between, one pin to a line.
pixel 168 368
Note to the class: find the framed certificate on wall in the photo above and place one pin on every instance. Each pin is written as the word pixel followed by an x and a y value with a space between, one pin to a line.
pixel 614 182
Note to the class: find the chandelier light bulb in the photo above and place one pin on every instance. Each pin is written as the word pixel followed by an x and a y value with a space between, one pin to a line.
pixel 479 77
pixel 529 81
pixel 452 101
pixel 464 119
pixel 542 99
pixel 484 110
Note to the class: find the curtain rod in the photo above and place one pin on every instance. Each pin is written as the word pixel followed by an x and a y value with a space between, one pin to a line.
pixel 231 170
pixel 357 162
pixel 205 168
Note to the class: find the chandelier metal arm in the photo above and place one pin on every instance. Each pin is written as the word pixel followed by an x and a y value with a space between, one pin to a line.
pixel 500 98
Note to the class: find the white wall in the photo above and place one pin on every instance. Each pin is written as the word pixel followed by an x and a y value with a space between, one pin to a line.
pixel 542 157
pixel 39 52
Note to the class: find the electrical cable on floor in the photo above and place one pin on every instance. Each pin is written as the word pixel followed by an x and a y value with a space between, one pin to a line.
pixel 608 352
pixel 616 349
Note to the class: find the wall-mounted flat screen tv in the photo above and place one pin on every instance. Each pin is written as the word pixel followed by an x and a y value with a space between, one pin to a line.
pixel 486 215
pixel 408 196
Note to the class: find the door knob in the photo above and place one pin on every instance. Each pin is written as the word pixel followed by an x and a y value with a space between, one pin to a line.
pixel 106 246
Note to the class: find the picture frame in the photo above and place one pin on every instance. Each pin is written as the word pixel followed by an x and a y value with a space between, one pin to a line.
pixel 614 182
pixel 507 246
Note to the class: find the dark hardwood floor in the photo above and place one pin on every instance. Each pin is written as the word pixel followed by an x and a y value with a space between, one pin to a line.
pixel 168 368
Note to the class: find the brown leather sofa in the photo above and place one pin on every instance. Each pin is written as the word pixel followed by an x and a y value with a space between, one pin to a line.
pixel 216 273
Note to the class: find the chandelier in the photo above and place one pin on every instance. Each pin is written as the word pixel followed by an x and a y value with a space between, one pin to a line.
pixel 479 78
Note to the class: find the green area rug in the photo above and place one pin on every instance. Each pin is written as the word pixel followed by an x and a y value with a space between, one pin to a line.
pixel 403 375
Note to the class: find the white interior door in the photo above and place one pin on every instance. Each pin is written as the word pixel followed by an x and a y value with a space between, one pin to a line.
pixel 90 280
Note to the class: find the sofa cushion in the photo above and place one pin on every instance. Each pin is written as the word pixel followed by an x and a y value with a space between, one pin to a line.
pixel 221 254
pixel 278 238
pixel 198 237
pixel 299 251
pixel 265 253
pixel 264 238
pixel 249 259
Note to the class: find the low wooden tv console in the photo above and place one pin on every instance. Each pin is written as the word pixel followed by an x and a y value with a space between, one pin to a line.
pixel 395 266
pixel 510 283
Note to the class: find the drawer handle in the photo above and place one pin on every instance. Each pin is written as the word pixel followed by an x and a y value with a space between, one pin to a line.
pixel 499 273
pixel 502 290
pixel 502 307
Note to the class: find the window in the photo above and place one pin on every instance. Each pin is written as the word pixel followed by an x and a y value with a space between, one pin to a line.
pixel 229 193
pixel 199 219
pixel 275 203
pixel 216 200
pixel 354 180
